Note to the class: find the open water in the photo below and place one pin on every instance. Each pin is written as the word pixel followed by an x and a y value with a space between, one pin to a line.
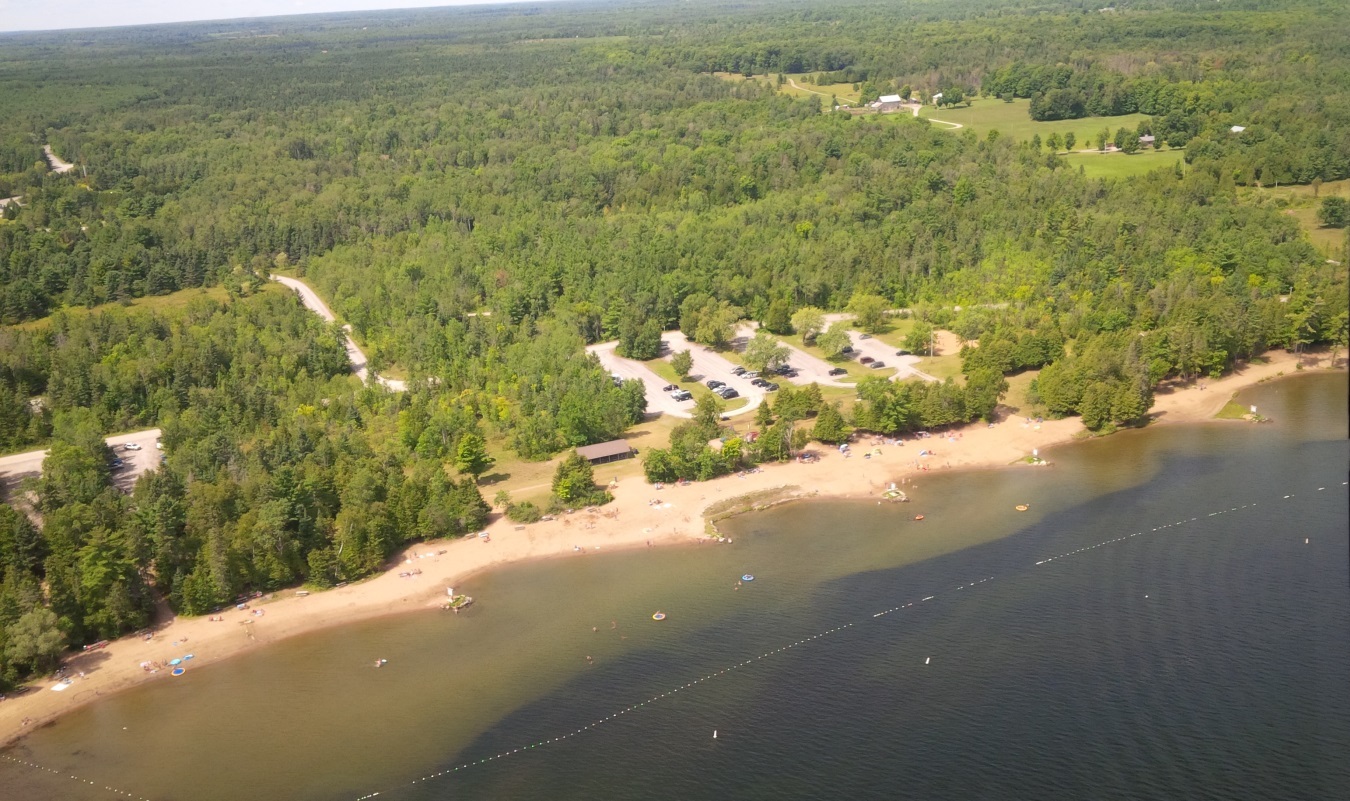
pixel 1155 627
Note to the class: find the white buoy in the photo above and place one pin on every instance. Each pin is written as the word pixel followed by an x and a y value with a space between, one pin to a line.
pixel 929 659
pixel 714 734
pixel 1305 540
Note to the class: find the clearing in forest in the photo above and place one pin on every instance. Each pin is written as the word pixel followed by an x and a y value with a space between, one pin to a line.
pixel 1301 202
pixel 1012 119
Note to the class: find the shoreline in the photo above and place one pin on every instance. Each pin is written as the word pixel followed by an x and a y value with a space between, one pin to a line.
pixel 640 516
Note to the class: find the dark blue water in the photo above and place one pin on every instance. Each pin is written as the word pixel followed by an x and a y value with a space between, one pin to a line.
pixel 1207 660
pixel 1205 657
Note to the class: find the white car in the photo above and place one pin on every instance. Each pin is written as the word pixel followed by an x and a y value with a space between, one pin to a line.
pixel 159 444
pixel 131 446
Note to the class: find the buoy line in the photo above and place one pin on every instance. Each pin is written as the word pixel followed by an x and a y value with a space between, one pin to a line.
pixel 688 685
pixel 748 662
pixel 71 776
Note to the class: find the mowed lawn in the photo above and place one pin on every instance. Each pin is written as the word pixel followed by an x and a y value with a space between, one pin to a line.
pixel 1012 119
pixel 1120 165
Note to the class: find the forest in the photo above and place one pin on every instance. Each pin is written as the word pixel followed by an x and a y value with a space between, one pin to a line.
pixel 481 192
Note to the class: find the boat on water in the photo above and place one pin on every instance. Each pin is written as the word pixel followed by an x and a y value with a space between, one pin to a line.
pixel 1021 507
pixel 747 577
pixel 918 517
pixel 659 616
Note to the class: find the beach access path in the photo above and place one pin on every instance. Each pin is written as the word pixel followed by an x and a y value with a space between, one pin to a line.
pixel 355 355
pixel 631 521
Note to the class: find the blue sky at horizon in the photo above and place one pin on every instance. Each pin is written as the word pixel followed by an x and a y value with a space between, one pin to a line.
pixel 45 15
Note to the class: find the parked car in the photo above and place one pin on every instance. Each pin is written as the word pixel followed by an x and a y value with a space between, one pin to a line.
pixel 617 379
pixel 846 349
pixel 681 395
pixel 864 336
pixel 669 388
pixel 750 374
pixel 838 371
pixel 713 383
pixel 759 382
pixel 770 387
pixel 728 393
pixel 866 360
pixel 159 444
pixel 117 464
pixel 877 365
pixel 131 446
pixel 902 352
pixel 738 371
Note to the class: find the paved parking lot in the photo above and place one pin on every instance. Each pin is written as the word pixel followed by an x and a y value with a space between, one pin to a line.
pixel 710 364
pixel 810 369
pixel 658 401
pixel 897 367
pixel 15 468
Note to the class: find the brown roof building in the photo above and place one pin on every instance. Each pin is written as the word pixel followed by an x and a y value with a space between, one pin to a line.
pixel 603 452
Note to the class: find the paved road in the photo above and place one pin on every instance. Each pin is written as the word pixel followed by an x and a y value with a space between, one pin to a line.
pixel 315 304
pixel 810 369
pixel 57 164
pixel 708 364
pixel 15 468
pixel 657 400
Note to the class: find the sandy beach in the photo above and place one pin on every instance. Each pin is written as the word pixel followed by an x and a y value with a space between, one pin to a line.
pixel 633 520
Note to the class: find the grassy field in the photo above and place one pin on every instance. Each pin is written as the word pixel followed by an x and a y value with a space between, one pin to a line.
pixel 160 303
pixel 1120 165
pixel 842 92
pixel 1300 203
pixel 1012 119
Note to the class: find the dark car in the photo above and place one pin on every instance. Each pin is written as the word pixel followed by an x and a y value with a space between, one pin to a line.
pixel 738 371
pixel 838 371
pixel 866 360
pixel 759 382
pixel 877 365
pixel 669 388
pixel 784 369
pixel 847 349
pixel 770 387
pixel 728 393
pixel 902 352
pixel 713 383
pixel 116 464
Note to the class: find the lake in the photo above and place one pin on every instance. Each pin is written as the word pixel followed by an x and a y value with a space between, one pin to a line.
pixel 1161 623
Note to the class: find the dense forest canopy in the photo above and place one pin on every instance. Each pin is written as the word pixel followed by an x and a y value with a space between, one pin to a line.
pixel 480 192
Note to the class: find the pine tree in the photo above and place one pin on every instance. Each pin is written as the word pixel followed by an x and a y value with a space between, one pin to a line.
pixel 472 457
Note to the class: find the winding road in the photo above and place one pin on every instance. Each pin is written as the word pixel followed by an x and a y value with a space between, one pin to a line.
pixel 355 355
pixel 57 164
